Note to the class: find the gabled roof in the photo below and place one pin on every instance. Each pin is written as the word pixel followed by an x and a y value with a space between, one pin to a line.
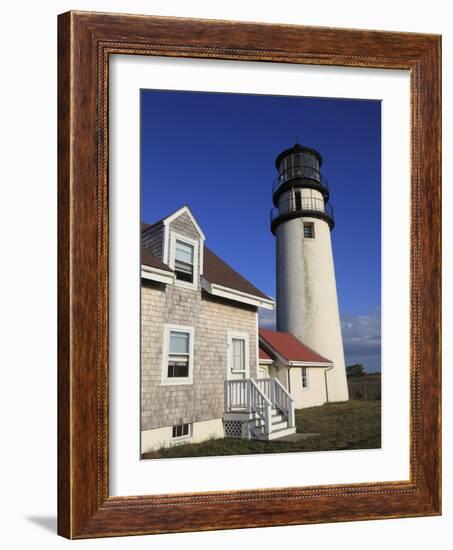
pixel 168 219
pixel 289 348
pixel 218 277
pixel 218 272
pixel 263 355
pixel 151 260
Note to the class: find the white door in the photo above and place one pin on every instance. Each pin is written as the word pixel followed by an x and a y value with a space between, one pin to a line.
pixel 237 363
pixel 238 369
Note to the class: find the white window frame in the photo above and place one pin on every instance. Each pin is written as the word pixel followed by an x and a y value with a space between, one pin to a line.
pixel 232 335
pixel 180 381
pixel 307 379
pixel 179 438
pixel 196 258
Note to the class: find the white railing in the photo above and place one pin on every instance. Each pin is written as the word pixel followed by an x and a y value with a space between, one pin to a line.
pixel 237 395
pixel 261 405
pixel 279 396
pixel 260 396
pixel 266 385
pixel 284 402
pixel 246 396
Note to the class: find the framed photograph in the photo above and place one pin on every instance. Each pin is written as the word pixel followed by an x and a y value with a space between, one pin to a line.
pixel 249 275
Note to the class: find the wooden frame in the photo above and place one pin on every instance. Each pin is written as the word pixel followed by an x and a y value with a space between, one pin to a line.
pixel 85 42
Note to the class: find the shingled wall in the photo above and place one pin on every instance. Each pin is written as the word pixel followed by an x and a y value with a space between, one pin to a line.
pixel 211 318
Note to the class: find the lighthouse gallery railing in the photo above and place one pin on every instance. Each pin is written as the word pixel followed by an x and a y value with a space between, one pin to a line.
pixel 301 204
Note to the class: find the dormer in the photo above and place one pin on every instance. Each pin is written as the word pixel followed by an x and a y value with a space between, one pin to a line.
pixel 178 242
pixel 174 253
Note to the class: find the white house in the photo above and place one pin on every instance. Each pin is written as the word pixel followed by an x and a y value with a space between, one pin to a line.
pixel 207 370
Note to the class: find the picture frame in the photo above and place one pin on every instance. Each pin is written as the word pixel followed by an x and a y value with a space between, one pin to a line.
pixel 85 42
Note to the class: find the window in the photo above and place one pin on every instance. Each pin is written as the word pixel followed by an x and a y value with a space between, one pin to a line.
pixel 178 355
pixel 184 261
pixel 238 355
pixel 304 373
pixel 181 430
pixel 309 231
pixel 177 361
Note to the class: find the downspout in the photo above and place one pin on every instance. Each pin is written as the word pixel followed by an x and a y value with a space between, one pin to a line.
pixel 325 381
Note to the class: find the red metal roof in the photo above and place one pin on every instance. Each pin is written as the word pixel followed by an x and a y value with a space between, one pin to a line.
pixel 289 347
pixel 264 355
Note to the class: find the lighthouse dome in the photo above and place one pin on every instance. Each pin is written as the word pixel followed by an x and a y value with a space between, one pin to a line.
pixel 302 152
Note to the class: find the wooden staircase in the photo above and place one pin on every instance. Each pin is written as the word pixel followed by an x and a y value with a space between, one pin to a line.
pixel 263 407
pixel 279 427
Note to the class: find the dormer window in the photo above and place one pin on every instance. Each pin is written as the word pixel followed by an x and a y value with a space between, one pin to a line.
pixel 184 261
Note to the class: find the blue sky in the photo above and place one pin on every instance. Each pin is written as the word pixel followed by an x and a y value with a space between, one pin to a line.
pixel 215 152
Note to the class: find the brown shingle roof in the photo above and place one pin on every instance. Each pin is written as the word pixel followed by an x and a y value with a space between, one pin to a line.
pixel 216 271
pixel 289 347
pixel 152 261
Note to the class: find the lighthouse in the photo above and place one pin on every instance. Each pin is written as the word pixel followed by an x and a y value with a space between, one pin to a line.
pixel 302 220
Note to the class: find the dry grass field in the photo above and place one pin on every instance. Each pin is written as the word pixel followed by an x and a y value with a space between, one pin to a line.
pixel 355 424
pixel 365 387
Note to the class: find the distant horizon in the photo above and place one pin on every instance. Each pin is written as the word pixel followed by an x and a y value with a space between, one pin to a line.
pixel 215 152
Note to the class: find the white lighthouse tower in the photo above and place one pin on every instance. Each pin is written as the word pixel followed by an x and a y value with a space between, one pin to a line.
pixel 307 302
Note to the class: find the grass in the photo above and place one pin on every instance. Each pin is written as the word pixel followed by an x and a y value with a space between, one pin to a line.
pixel 367 386
pixel 355 424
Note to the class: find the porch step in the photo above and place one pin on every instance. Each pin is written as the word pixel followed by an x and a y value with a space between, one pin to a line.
pixel 258 434
pixel 277 424
pixel 280 433
pixel 248 403
pixel 281 425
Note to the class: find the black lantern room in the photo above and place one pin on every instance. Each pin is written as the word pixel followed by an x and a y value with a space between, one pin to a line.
pixel 299 168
